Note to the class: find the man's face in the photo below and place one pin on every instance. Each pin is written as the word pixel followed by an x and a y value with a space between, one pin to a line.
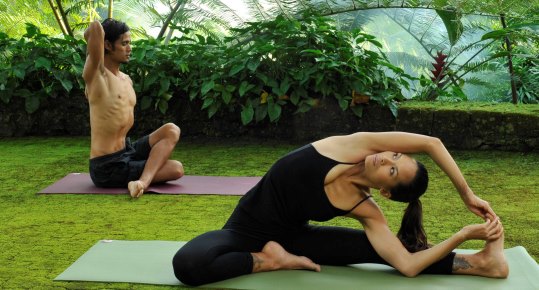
pixel 120 50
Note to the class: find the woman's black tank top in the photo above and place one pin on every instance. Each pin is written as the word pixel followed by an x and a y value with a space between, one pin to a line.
pixel 289 195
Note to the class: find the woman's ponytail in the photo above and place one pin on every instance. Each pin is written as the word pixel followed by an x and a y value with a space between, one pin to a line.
pixel 412 234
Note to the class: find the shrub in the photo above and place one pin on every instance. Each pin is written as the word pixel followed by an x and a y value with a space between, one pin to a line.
pixel 37 67
pixel 268 65
pixel 260 69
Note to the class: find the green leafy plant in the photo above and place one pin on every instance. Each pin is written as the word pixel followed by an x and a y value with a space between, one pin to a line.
pixel 259 71
pixel 525 60
pixel 266 66
pixel 526 75
pixel 156 71
pixel 38 67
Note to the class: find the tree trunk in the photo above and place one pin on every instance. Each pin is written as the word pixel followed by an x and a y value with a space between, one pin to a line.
pixel 510 62
pixel 169 18
pixel 58 19
pixel 111 3
pixel 64 18
pixel 169 36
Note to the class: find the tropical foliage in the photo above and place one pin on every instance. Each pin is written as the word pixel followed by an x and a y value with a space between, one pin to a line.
pixel 472 46
pixel 270 64
pixel 37 67
pixel 448 27
pixel 214 16
pixel 261 69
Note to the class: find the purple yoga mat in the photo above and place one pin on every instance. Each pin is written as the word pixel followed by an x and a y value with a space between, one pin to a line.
pixel 81 183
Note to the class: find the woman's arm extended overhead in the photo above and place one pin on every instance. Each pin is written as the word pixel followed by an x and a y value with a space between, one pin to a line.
pixel 356 146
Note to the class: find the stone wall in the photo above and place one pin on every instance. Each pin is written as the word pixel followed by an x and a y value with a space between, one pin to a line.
pixel 459 129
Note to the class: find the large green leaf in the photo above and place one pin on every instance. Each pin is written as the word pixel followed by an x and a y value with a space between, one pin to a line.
pixel 237 68
pixel 247 113
pixel 207 102
pixel 66 83
pixel 226 96
pixel 358 110
pixel 207 86
pixel 274 110
pixel 213 109
pixel 452 23
pixel 31 103
pixel 245 87
pixel 496 34
pixel 164 85
pixel 162 105
pixel 261 112
pixel 145 102
pixel 42 62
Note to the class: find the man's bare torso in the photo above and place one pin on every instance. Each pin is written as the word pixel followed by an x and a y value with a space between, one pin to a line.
pixel 112 100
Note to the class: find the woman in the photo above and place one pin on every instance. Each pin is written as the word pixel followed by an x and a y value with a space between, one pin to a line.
pixel 269 228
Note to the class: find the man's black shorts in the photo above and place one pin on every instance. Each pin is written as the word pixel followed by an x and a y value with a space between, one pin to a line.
pixel 119 168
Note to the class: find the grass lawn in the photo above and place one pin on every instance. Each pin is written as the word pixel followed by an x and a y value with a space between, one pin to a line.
pixel 41 235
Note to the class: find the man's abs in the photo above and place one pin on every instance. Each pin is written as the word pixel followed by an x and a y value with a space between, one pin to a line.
pixel 112 100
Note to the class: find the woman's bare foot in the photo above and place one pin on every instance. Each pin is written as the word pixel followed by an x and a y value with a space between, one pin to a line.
pixel 494 258
pixel 136 188
pixel 274 257
pixel 490 262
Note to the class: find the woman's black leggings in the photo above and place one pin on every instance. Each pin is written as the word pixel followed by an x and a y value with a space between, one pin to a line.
pixel 224 254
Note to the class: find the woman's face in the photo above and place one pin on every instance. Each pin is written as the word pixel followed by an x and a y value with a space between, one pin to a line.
pixel 388 169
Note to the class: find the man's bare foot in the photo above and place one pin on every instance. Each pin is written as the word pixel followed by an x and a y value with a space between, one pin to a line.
pixel 136 188
pixel 274 257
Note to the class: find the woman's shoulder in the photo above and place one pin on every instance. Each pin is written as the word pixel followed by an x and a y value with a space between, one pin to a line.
pixel 368 210
pixel 346 148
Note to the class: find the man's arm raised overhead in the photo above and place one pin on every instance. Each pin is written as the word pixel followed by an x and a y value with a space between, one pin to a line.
pixel 95 51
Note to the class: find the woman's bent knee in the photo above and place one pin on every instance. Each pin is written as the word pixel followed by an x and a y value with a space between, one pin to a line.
pixel 186 269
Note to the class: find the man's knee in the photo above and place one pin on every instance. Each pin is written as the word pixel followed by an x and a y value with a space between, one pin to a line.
pixel 172 131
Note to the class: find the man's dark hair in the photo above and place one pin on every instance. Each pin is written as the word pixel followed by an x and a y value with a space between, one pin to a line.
pixel 113 29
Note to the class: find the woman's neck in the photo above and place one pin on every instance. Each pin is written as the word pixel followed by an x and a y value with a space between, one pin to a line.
pixel 356 176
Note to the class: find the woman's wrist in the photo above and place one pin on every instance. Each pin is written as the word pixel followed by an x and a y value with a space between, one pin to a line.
pixel 461 236
pixel 467 194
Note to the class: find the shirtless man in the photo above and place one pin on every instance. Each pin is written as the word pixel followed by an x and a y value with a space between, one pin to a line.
pixel 114 160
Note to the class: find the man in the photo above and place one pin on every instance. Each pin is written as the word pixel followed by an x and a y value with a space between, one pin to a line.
pixel 114 161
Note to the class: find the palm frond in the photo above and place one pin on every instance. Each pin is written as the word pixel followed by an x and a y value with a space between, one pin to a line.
pixel 137 13
pixel 355 19
pixel 406 59
pixel 256 11
pixel 474 52
pixel 15 14
pixel 423 26
pixel 224 10
pixel 480 66
pixel 201 15
pixel 206 28
pixel 479 81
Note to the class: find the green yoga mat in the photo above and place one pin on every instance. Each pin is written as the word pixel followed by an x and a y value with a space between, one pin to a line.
pixel 150 262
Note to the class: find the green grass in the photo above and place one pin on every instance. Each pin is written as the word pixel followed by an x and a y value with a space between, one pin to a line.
pixel 41 235
pixel 506 108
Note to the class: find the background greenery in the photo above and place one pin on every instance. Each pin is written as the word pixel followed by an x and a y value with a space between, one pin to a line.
pixel 224 58
pixel 257 71
pixel 41 235
pixel 261 58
